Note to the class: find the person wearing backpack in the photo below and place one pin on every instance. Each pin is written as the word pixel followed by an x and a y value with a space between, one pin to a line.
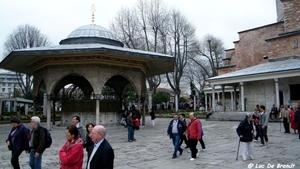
pixel 17 141
pixel 36 143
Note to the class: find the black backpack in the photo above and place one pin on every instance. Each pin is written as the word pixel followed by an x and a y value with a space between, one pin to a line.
pixel 48 138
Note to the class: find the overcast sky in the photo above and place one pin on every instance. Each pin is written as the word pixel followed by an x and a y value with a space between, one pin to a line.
pixel 58 18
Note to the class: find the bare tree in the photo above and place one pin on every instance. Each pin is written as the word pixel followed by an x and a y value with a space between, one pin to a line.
pixel 209 55
pixel 25 36
pixel 182 34
pixel 140 28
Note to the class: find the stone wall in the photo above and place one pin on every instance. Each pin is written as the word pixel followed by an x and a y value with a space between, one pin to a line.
pixel 106 118
pixel 291 15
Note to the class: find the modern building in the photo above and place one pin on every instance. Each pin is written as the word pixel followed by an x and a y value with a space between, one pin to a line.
pixel 9 84
pixel 264 66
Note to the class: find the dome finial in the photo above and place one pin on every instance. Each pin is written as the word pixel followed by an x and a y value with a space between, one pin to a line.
pixel 93 9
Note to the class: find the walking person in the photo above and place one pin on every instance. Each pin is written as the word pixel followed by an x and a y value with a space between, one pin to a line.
pixel 201 138
pixel 193 135
pixel 130 127
pixel 245 133
pixel 80 127
pixel 263 125
pixel 71 154
pixel 102 154
pixel 36 143
pixel 175 131
pixel 17 141
pixel 285 114
pixel 183 137
pixel 297 118
pixel 255 119
pixel 89 143
pixel 152 114
pixel 294 125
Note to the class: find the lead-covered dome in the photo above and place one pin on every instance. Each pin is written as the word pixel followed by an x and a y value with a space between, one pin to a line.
pixel 91 34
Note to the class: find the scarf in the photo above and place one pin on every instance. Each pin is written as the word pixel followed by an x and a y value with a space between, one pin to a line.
pixel 71 143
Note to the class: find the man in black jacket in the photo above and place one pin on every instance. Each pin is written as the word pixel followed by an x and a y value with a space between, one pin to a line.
pixel 36 143
pixel 101 156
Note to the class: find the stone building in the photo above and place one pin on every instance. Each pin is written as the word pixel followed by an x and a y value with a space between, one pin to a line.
pixel 90 59
pixel 264 66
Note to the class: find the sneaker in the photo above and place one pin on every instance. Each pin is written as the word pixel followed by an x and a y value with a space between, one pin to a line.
pixel 190 150
pixel 255 140
pixel 262 145
pixel 192 159
pixel 174 157
pixel 180 152
pixel 251 157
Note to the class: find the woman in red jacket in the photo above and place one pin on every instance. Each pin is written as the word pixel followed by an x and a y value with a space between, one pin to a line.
pixel 71 154
pixel 193 134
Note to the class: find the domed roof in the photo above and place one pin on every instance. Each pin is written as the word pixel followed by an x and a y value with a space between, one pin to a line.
pixel 92 31
pixel 91 34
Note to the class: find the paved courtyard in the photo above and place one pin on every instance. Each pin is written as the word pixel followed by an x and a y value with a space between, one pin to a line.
pixel 153 148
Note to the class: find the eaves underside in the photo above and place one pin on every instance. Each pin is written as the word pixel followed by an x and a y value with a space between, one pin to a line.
pixel 255 77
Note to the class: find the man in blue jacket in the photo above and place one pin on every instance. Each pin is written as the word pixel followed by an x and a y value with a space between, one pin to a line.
pixel 175 130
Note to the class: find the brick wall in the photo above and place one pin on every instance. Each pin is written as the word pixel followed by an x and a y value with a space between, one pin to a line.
pixel 281 47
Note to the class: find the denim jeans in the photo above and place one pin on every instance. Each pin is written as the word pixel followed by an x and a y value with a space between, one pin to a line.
pixel 35 163
pixel 176 139
pixel 130 133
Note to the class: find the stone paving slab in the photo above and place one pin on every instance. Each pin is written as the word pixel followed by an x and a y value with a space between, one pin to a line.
pixel 153 149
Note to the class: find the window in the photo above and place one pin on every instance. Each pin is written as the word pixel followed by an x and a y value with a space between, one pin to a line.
pixel 3 89
pixel 295 91
pixel 8 84
pixel 9 90
pixel 3 84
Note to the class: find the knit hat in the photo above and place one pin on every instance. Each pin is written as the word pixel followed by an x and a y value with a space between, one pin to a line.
pixel 15 120
pixel 36 119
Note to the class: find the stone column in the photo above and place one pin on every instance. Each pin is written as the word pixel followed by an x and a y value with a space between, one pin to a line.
pixel 277 93
pixel 223 97
pixel 218 94
pixel 242 96
pixel 234 98
pixel 48 104
pixel 149 100
pixel 205 101
pixel 1 107
pixel 97 109
pixel 213 98
pixel 231 96
pixel 45 104
pixel 194 103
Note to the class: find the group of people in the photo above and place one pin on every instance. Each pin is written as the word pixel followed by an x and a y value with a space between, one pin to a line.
pixel 99 151
pixel 191 132
pixel 260 120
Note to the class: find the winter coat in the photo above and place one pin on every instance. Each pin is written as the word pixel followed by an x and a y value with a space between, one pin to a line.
pixel 19 141
pixel 181 127
pixel 194 130
pixel 245 129
pixel 38 136
pixel 71 155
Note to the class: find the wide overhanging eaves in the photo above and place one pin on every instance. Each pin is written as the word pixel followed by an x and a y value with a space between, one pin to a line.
pixel 26 60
